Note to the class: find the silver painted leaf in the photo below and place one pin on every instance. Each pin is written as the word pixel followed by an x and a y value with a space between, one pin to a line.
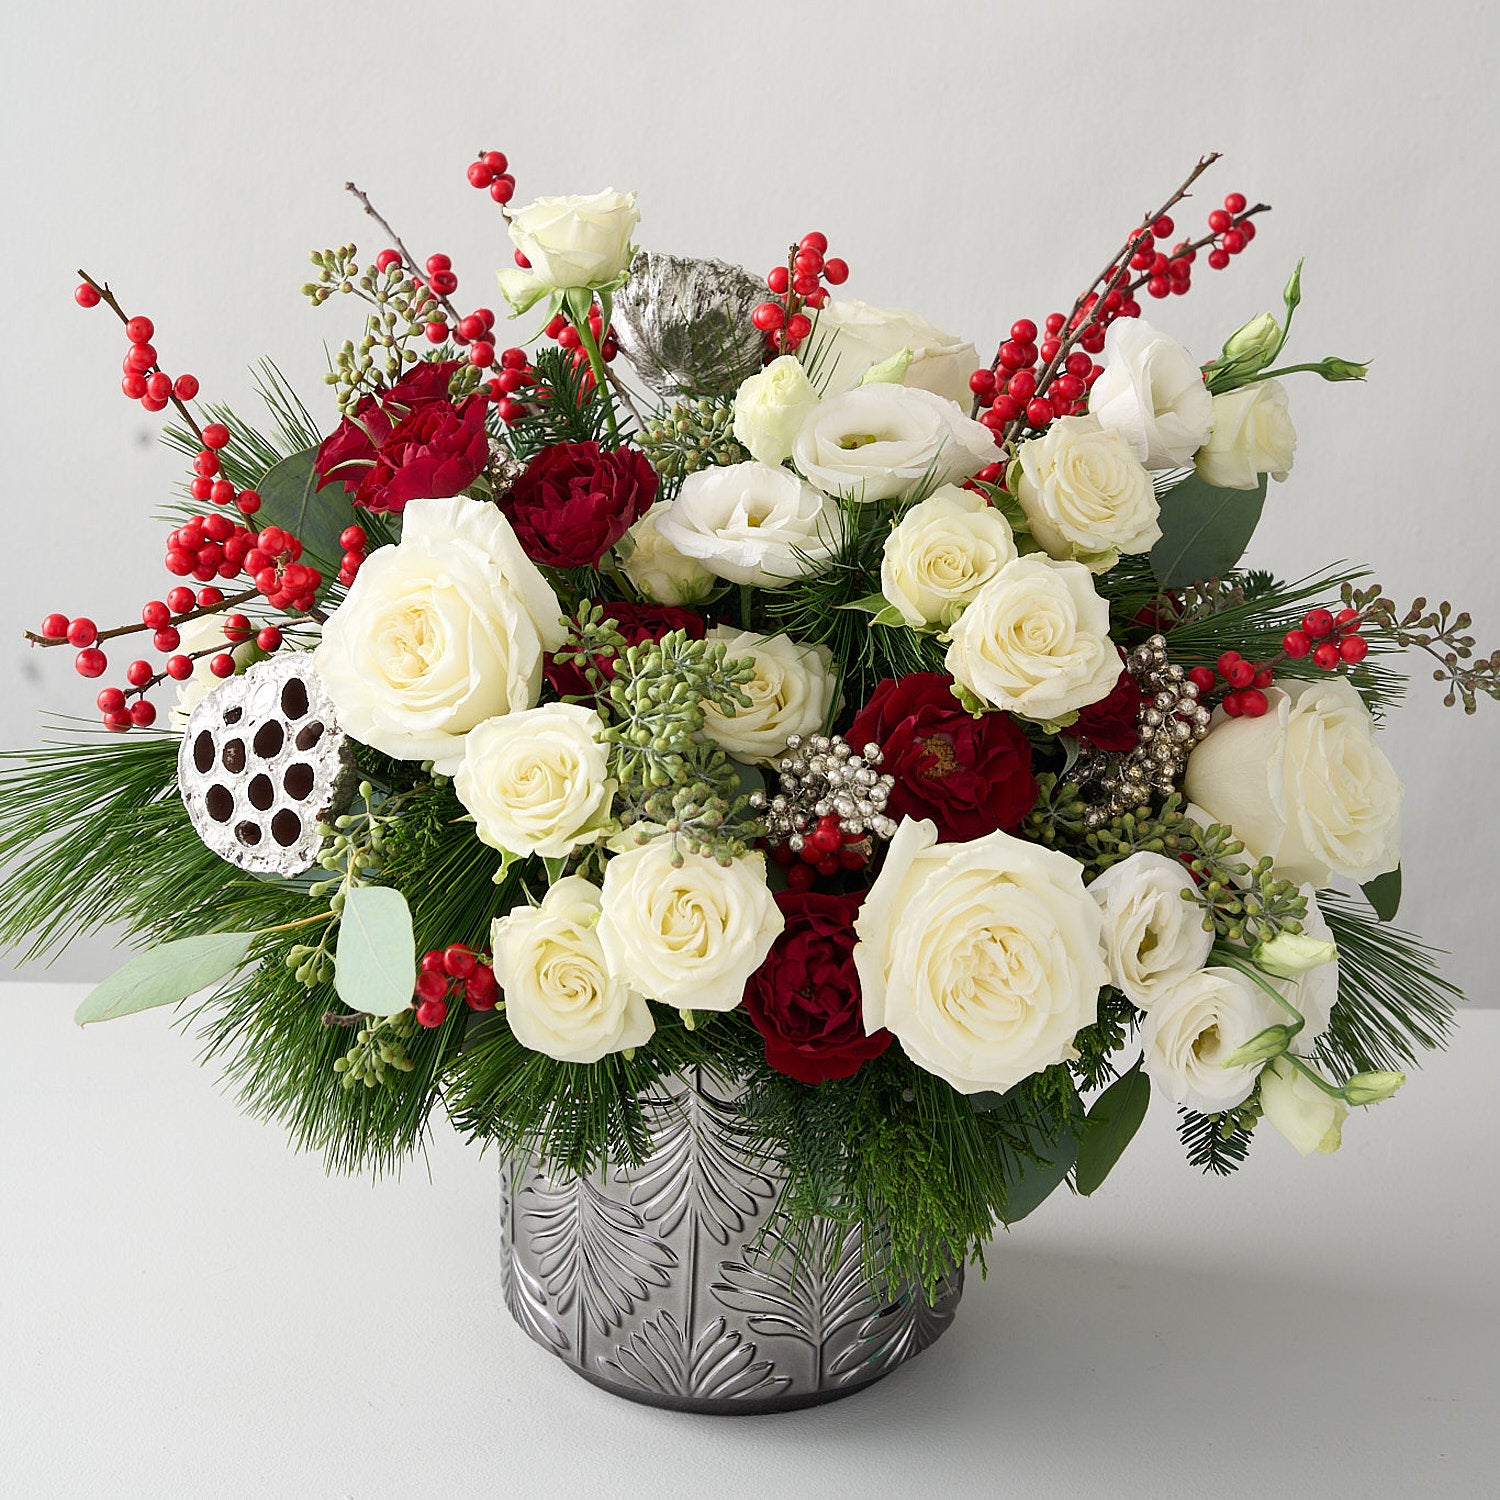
pixel 592 1250
pixel 720 1366
pixel 701 1162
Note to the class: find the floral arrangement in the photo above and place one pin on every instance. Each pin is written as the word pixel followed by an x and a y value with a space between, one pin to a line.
pixel 734 675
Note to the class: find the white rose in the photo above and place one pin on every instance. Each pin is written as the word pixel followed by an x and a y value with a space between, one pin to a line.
pixel 859 336
pixel 662 573
pixel 944 551
pixel 878 441
pixel 1305 784
pixel 1086 495
pixel 770 406
pixel 791 693
pixel 560 997
pixel 205 633
pixel 439 633
pixel 982 958
pixel 1310 1119
pixel 1193 1025
pixel 1152 394
pixel 688 935
pixel 753 524
pixel 1036 640
pixel 537 781
pixel 578 240
pixel 1253 435
pixel 1153 929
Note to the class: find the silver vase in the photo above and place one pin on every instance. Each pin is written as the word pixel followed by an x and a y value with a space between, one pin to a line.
pixel 662 1284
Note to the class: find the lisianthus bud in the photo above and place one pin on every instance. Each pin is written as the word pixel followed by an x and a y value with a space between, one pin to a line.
pixel 1271 1042
pixel 890 371
pixel 1293 1104
pixel 1291 954
pixel 1253 346
pixel 1342 369
pixel 1372 1088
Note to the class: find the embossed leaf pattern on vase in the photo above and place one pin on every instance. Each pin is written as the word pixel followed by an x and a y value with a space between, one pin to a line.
pixel 720 1364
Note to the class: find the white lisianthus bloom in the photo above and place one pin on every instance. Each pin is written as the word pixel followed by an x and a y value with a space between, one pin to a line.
pixel 1193 1026
pixel 983 958
pixel 791 693
pixel 878 441
pixel 1087 497
pixel 439 633
pixel 1305 784
pixel 1152 394
pixel 689 935
pixel 860 336
pixel 1153 928
pixel 753 524
pixel 1310 1119
pixel 205 633
pixel 1036 640
pixel 1253 435
pixel 662 573
pixel 560 997
pixel 941 553
pixel 770 406
pixel 536 781
pixel 577 240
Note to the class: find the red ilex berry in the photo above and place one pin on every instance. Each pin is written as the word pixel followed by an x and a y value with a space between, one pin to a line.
pixel 1240 674
pixel 1353 649
pixel 1326 656
pixel 1226 661
pixel 435 332
pixel 140 330
pixel 207 598
pixel 826 840
pixel 798 326
pixel 167 638
pixel 481 353
pixel 444 283
pixel 138 673
pixel 481 992
pixel 800 877
pixel 768 316
pixel 982 382
pixel 432 1013
pixel 352 538
pixel 142 713
pixel 268 638
pixel 236 629
pixel 134 385
pixel 1296 644
pixel 1264 677
pixel 110 700
pixel 90 662
pixel 479 175
pixel 140 358
pixel 431 985
pixel 503 188
pixel 777 280
pixel 215 435
pixel 159 387
pixel 248 502
pixel 117 722
pixel 55 628
pixel 1218 259
pixel 1233 705
pixel 496 161
pixel 1253 702
pixel 221 492
pixel 1317 623
pixel 1233 241
pixel 221 665
pixel 179 668
pixel 1220 220
pixel 179 600
pixel 1204 678
pixel 1023 331
pixel 458 961
pixel 85 296
pixel 206 463
pixel 185 387
pixel 1039 412
pixel 386 259
pixel 1235 202
pixel 82 631
pixel 835 271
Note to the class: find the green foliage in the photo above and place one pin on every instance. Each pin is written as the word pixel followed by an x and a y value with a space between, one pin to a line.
pixel 1384 894
pixel 1219 1143
pixel 564 406
pixel 1204 530
pixel 1110 1126
pixel 166 975
pixel 1392 1004
pixel 376 960
pixel 691 435
pixel 290 498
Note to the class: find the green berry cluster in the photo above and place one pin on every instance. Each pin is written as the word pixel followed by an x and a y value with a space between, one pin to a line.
pixel 378 1057
pixel 692 435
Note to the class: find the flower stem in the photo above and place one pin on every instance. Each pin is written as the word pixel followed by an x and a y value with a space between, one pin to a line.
pixel 601 373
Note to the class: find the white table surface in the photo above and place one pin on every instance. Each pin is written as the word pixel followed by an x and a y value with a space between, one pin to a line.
pixel 186 1309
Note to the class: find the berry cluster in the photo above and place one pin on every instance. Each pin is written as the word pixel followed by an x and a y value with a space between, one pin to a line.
pixel 799 284
pixel 1330 638
pixel 515 375
pixel 1245 685
pixel 141 379
pixel 446 973
pixel 567 337
pixel 826 849
pixel 491 171
pixel 1010 388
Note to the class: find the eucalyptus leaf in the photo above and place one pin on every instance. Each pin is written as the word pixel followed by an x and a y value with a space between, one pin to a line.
pixel 290 498
pixel 375 966
pixel 1384 894
pixel 1110 1126
pixel 1204 530
pixel 1036 1180
pixel 165 974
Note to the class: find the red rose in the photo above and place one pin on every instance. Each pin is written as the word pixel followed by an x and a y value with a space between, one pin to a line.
pixel 1110 723
pixel 970 776
pixel 576 500
pixel 409 443
pixel 804 999
pixel 637 623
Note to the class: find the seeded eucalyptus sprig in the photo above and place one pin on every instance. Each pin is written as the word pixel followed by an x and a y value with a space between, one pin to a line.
pixel 1442 633
pixel 691 435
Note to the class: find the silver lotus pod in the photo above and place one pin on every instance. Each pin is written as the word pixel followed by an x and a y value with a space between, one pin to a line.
pixel 685 324
pixel 263 763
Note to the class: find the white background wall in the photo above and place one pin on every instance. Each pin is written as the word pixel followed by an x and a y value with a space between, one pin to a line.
pixel 974 161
